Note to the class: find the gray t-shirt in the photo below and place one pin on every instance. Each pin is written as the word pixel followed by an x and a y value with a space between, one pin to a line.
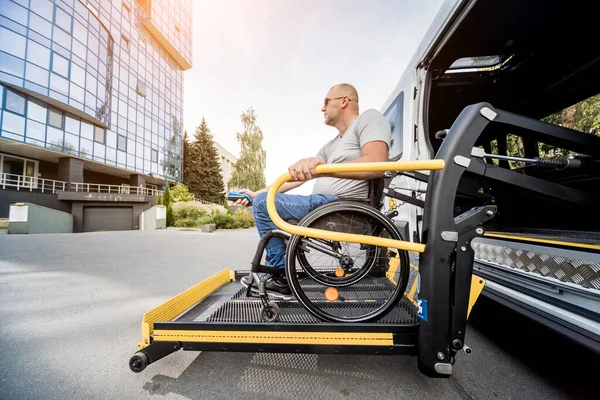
pixel 368 127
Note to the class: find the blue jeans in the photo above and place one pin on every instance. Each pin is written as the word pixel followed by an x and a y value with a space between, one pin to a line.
pixel 288 206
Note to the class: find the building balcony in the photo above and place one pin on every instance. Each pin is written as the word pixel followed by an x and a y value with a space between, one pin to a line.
pixel 51 186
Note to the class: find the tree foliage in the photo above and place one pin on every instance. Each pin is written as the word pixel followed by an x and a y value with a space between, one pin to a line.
pixel 203 176
pixel 583 116
pixel 181 193
pixel 249 170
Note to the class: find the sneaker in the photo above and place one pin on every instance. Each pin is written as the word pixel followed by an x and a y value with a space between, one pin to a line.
pixel 277 288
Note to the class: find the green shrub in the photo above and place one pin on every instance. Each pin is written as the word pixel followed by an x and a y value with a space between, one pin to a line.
pixel 244 218
pixel 170 215
pixel 224 221
pixel 186 223
pixel 189 211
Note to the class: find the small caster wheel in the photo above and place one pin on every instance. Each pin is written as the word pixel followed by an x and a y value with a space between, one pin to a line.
pixel 452 360
pixel 270 312
pixel 138 362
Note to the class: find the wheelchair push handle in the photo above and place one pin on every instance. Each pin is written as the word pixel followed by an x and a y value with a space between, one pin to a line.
pixel 417 165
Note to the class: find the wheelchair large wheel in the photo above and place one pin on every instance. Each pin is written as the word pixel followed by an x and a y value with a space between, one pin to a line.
pixel 342 281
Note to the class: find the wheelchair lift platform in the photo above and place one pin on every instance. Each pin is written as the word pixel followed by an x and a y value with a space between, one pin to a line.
pixel 216 315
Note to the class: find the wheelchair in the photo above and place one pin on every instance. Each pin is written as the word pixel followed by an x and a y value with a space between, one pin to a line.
pixel 336 280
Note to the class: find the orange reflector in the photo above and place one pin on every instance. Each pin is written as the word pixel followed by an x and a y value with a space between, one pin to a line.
pixel 332 294
pixel 339 272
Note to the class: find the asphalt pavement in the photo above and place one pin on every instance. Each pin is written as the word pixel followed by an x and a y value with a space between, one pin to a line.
pixel 71 307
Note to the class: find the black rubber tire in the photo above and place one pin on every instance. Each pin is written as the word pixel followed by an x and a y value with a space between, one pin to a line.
pixel 138 362
pixel 365 210
pixel 273 308
pixel 374 253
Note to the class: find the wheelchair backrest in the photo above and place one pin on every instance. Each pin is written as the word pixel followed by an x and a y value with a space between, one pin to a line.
pixel 376 187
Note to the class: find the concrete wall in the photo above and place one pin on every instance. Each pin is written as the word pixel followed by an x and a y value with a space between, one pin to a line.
pixel 31 218
pixel 153 218
pixel 22 196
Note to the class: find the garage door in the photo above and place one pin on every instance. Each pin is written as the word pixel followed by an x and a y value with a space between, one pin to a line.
pixel 107 219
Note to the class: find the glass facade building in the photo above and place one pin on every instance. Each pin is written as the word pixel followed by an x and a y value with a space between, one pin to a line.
pixel 99 80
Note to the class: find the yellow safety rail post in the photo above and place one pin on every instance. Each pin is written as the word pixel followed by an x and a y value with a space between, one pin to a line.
pixel 417 165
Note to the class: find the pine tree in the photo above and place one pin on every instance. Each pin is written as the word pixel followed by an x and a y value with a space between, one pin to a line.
pixel 204 176
pixel 249 170
pixel 187 158
pixel 168 201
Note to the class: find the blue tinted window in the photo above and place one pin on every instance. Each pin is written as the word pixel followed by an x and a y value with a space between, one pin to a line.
pixel 99 150
pixel 11 65
pixel 91 83
pixel 13 123
pixel 87 130
pixel 1 95
pixel 62 38
pixel 12 43
pixel 111 154
pixel 79 32
pixel 60 65
pixel 15 102
pixel 12 25
pixel 38 54
pixel 54 137
pixel 62 19
pixel 43 8
pixel 14 11
pixel 40 25
pixel 55 118
pixel 77 75
pixel 35 130
pixel 36 88
pixel 111 139
pixel 36 111
pixel 79 52
pixel 394 115
pixel 71 144
pixel 86 147
pixel 72 125
pixel 77 93
pixel 60 84
pixel 36 74
pixel 121 142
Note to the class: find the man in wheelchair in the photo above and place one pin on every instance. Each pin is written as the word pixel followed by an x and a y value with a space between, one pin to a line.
pixel 361 138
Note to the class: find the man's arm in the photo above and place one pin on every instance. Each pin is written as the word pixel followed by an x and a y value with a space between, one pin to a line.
pixel 376 151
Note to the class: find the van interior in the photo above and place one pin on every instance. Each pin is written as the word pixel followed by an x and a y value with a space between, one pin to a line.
pixel 532 58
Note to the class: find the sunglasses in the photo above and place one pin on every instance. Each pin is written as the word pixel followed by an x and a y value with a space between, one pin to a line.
pixel 332 98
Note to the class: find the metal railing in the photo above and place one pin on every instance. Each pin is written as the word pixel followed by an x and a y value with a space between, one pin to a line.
pixel 116 189
pixel 31 184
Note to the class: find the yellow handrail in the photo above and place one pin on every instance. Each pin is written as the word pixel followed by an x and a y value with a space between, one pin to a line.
pixel 417 165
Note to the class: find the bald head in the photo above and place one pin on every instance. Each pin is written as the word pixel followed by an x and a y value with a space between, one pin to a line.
pixel 346 89
pixel 340 106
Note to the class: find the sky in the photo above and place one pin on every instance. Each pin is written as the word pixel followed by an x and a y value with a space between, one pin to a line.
pixel 280 57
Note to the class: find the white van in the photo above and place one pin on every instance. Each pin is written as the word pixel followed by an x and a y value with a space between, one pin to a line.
pixel 526 61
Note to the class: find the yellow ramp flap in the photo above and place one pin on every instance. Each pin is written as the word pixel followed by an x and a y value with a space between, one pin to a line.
pixel 279 337
pixel 183 301
pixel 477 284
